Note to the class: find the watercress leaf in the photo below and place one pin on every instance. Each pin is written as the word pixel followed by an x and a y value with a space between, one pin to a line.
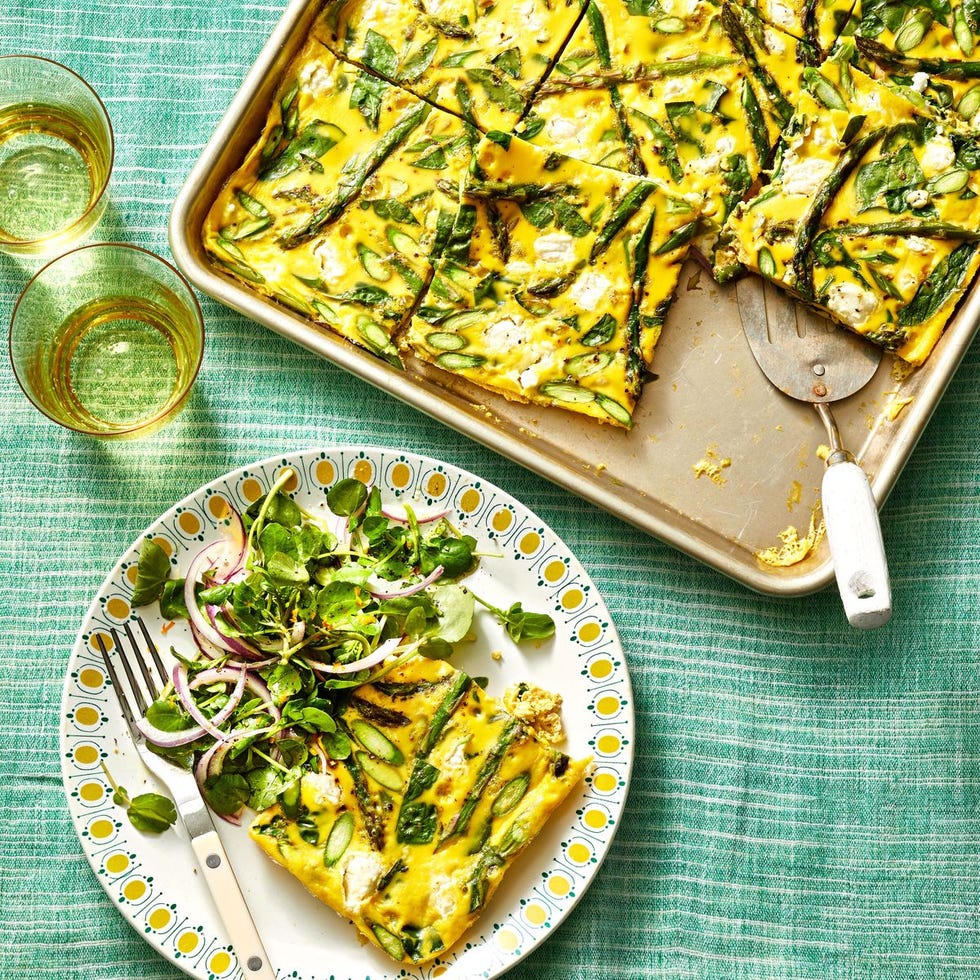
pixel 346 497
pixel 436 648
pixel 275 538
pixel 455 605
pixel 151 813
pixel 337 745
pixel 284 682
pixel 167 717
pixel 227 793
pixel 152 571
pixel 522 625
pixel 284 569
pixel 454 554
pixel 172 604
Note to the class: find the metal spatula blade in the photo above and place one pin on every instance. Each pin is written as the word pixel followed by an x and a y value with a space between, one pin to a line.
pixel 810 359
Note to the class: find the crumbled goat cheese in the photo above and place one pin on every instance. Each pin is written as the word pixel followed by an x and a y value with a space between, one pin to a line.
pixel 588 289
pixel 851 304
pixel 805 176
pixel 556 248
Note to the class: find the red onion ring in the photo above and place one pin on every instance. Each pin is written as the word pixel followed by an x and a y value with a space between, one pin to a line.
pixel 383 650
pixel 210 725
pixel 408 590
pixel 398 513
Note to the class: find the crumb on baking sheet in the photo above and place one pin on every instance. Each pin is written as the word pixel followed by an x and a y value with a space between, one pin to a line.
pixel 713 466
pixel 793 548
pixel 795 495
pixel 895 407
pixel 539 709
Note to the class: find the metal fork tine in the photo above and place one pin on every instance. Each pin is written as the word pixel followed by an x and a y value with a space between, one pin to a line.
pixel 154 653
pixel 127 712
pixel 134 686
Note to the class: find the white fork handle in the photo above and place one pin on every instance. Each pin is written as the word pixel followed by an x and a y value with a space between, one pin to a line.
pixel 854 533
pixel 230 903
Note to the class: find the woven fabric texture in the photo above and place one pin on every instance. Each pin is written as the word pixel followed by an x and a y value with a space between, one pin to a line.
pixel 805 796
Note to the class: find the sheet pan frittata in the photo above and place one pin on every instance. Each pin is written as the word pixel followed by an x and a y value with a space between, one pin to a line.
pixel 509 190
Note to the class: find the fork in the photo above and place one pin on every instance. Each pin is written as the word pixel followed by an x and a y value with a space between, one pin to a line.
pixel 219 876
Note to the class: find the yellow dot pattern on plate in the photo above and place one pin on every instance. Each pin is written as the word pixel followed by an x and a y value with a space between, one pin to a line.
pixel 101 829
pixel 131 574
pixel 165 544
pixel 219 507
pixel 91 792
pixel 363 471
pixel 605 782
pixel 86 755
pixel 189 522
pixel 160 918
pixel 93 641
pixel 325 473
pixel 91 678
pixel 536 914
pixel 116 864
pixel 595 819
pixel 508 940
pixel 554 571
pixel 502 520
pixel 440 970
pixel 559 885
pixel 86 715
pixel 188 941
pixel 436 484
pixel 219 962
pixel 530 543
pixel 291 483
pixel 607 706
pixel 117 608
pixel 589 633
pixel 600 669
pixel 401 476
pixel 251 489
pixel 578 852
pixel 608 744
pixel 572 599
pixel 134 889
pixel 470 501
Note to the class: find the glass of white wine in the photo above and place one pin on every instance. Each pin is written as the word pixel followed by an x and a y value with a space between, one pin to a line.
pixel 107 340
pixel 56 153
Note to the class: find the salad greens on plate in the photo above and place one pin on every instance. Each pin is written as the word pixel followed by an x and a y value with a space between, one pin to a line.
pixel 292 610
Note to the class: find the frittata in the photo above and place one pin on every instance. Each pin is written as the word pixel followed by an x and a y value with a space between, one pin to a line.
pixel 411 835
pixel 437 181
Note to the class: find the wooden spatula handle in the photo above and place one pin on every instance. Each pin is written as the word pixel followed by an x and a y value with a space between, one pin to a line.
pixel 854 533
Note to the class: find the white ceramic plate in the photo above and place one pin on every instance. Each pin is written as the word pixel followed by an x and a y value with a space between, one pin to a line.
pixel 153 880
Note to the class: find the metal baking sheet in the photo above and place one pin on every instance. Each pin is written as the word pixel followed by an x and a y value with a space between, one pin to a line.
pixel 709 404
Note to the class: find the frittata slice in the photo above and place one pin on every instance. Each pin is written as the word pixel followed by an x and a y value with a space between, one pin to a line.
pixel 556 282
pixel 411 835
pixel 334 211
pixel 479 60
pixel 693 98
pixel 926 52
pixel 872 213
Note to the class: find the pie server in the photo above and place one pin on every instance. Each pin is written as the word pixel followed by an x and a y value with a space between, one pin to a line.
pixel 808 358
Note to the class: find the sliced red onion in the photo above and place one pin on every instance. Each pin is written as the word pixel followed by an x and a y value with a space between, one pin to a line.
pixel 298 632
pixel 210 725
pixel 205 559
pixel 383 650
pixel 398 512
pixel 237 543
pixel 406 590
pixel 237 645
pixel 169 740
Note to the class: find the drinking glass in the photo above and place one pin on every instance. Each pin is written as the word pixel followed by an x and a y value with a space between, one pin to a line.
pixel 56 152
pixel 107 340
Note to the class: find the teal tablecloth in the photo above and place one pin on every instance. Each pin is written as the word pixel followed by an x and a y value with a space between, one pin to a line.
pixel 805 797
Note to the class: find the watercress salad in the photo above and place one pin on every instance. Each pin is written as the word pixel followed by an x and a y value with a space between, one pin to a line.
pixel 291 610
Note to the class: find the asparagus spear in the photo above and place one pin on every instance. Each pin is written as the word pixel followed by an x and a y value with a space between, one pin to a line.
pixel 350 184
pixel 941 67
